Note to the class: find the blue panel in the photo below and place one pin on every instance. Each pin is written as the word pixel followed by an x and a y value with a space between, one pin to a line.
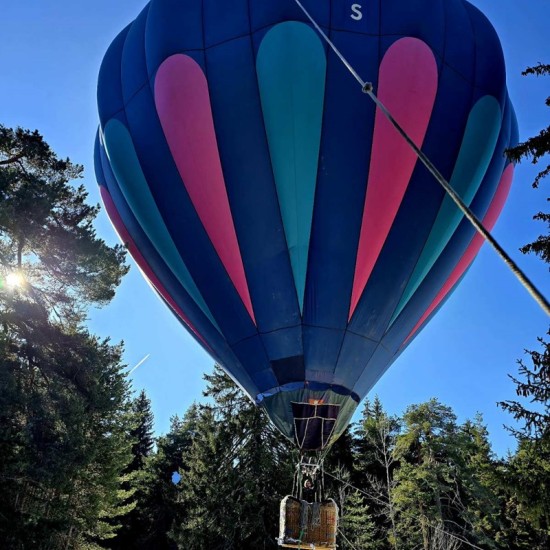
pixel 354 357
pixel 285 342
pixel 252 354
pixel 134 69
pixel 264 14
pixel 172 27
pixel 490 70
pixel 233 24
pixel 375 368
pixel 109 89
pixel 321 348
pixel 423 19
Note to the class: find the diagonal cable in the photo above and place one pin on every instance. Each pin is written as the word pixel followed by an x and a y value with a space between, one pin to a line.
pixel 468 213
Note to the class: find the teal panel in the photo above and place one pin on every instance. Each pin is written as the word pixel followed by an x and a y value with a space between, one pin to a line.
pixel 476 151
pixel 127 170
pixel 291 69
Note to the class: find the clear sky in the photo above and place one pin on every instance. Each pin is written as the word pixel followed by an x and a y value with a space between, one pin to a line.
pixel 51 52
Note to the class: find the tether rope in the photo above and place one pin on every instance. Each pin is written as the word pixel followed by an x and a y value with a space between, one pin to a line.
pixel 472 218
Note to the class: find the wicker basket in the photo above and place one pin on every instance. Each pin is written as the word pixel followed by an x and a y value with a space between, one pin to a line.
pixel 308 525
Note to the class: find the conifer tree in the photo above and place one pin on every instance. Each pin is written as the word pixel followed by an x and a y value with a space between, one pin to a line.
pixel 64 400
pixel 235 473
pixel 528 470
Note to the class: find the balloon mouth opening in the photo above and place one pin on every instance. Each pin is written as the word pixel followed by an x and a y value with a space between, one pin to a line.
pixel 310 414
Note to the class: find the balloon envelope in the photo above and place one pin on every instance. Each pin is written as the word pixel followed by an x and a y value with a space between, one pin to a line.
pixel 275 211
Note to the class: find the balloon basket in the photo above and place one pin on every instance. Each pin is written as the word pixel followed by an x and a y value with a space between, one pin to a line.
pixel 308 525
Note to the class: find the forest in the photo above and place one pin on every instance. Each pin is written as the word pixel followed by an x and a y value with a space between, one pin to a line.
pixel 81 467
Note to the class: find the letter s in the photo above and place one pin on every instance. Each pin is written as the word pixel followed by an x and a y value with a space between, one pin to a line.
pixel 356 9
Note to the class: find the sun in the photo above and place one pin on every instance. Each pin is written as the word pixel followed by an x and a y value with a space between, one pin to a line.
pixel 15 280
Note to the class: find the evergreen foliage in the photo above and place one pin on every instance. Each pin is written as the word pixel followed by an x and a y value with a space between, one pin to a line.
pixel 64 409
pixel 536 148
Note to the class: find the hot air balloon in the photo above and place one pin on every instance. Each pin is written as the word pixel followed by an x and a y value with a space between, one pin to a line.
pixel 274 208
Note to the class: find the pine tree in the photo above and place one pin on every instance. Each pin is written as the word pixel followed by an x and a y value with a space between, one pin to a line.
pixel 431 494
pixel 142 433
pixel 235 473
pixel 64 400
pixel 132 528
pixel 358 525
pixel 536 148
pixel 528 471
pixel 376 464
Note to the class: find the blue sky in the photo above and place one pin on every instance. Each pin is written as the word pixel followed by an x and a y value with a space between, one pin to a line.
pixel 51 53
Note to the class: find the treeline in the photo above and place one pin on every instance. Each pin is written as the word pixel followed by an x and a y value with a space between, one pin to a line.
pixel 422 480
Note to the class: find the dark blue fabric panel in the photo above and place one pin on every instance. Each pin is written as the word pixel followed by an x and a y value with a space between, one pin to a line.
pixel 401 18
pixel 354 356
pixel 321 347
pixel 234 23
pixel 378 364
pixel 109 87
pixel 264 14
pixel 251 353
pixel 175 206
pixel 490 69
pixel 418 210
pixel 98 167
pixel 250 185
pixel 285 342
pixel 459 40
pixel 172 27
pixel 340 193
pixel 134 69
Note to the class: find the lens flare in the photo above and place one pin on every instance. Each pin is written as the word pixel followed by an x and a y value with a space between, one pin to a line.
pixel 15 280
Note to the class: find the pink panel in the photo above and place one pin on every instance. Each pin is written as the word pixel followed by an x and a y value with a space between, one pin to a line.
pixel 407 87
pixel 125 237
pixel 183 105
pixel 489 222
